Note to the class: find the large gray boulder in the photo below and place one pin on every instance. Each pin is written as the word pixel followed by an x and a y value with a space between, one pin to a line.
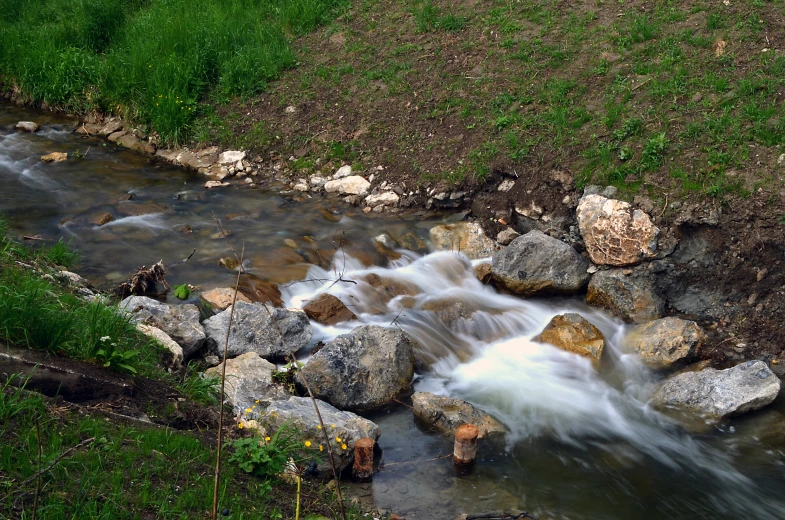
pixel 362 370
pixel 538 264
pixel 715 394
pixel 446 414
pixel 614 233
pixel 272 333
pixel 249 378
pixel 346 426
pixel 628 293
pixel 661 343
pixel 180 322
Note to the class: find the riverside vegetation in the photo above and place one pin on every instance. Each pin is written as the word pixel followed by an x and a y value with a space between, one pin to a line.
pixel 91 467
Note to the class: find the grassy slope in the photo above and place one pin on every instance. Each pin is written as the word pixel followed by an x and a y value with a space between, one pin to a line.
pixel 636 94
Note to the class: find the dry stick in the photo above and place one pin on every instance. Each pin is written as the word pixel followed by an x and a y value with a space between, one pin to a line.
pixel 326 441
pixel 38 474
pixel 50 466
pixel 223 383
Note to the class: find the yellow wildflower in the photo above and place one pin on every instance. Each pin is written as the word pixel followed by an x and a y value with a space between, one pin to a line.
pixel 319 427
pixel 332 426
pixel 247 410
pixel 337 439
pixel 307 444
pixel 240 426
pixel 321 448
pixel 343 446
pixel 267 439
pixel 257 401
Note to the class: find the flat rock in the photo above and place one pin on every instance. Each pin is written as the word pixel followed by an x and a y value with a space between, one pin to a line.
pixel 661 343
pixel 260 291
pixel 629 294
pixel 387 198
pixel 215 184
pixel 128 141
pixel 535 263
pixel 27 126
pixel 115 137
pixel 328 310
pixel 165 341
pixel 573 333
pixel 272 333
pixel 463 237
pixel 349 427
pixel 715 394
pixel 180 322
pixel 362 370
pixel 249 378
pixel 352 185
pixel 343 171
pixel 55 157
pixel 231 157
pixel 506 236
pixel 110 127
pixel 221 298
pixel 99 219
pixel 446 414
pixel 614 233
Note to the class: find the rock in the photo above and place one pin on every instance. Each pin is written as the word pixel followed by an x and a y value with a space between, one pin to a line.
pixel 666 341
pixel 387 198
pixel 165 340
pixel 445 415
pixel 180 322
pixel 260 291
pixel 54 157
pixel 116 136
pixel 632 296
pixel 249 378
pixel 506 236
pixel 343 171
pixel 99 219
pixel 614 234
pixel 464 237
pixel 328 310
pixel 506 185
pixel 221 298
pixel 362 370
pixel 27 126
pixel 215 184
pixel 272 333
pixel 484 272
pixel 353 185
pixel 385 241
pixel 716 394
pixel 412 242
pixel 110 127
pixel 535 263
pixel 573 333
pixel 128 141
pixel 231 157
pixel 300 413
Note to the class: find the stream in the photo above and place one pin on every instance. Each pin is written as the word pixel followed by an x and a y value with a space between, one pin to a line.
pixel 582 443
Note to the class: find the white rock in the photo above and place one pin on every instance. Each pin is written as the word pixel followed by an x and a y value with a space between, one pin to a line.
pixel 353 185
pixel 301 186
pixel 317 180
pixel 231 157
pixel 781 160
pixel 27 126
pixel 506 185
pixel 343 171
pixel 215 184
pixel 388 198
pixel 164 339
pixel 291 109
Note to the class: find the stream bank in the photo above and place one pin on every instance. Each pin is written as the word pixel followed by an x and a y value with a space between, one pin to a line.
pixel 570 423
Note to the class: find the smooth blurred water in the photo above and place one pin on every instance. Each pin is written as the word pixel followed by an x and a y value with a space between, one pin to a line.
pixel 582 444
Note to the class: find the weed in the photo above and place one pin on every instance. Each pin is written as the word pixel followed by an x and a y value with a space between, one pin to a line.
pixel 653 151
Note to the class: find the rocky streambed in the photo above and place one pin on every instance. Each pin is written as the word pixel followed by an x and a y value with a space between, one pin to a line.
pixel 594 400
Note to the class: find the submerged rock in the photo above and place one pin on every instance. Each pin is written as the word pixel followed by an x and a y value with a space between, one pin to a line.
pixel 661 343
pixel 615 234
pixel 573 333
pixel 629 294
pixel 55 157
pixel 446 414
pixel 180 322
pixel 716 394
pixel 538 264
pixel 249 379
pixel 328 310
pixel 272 333
pixel 27 126
pixel 346 426
pixel 362 370
pixel 464 237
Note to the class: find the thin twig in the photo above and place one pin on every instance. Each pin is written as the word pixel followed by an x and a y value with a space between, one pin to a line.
pixel 401 402
pixel 38 473
pixel 416 461
pixel 231 247
pixel 223 381
pixel 326 441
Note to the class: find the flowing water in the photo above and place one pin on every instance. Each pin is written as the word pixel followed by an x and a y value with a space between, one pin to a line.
pixel 582 444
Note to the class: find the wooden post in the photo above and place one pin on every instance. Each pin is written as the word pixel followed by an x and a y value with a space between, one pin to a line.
pixel 363 460
pixel 465 449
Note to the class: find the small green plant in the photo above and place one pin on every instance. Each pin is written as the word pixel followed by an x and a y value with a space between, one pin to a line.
pixel 653 151
pixel 111 356
pixel 182 291
pixel 13 400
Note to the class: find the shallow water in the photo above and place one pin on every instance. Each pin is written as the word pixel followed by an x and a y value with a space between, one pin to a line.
pixel 582 443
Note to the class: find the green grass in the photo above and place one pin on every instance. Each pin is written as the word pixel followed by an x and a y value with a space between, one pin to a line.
pixel 151 60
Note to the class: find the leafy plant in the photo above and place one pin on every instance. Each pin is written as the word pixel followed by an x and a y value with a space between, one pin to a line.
pixel 111 356
pixel 182 291
pixel 653 151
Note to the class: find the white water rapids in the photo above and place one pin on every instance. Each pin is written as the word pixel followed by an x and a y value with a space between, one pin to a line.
pixel 484 354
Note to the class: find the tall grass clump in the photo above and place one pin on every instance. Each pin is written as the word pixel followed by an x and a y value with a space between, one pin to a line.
pixel 152 60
